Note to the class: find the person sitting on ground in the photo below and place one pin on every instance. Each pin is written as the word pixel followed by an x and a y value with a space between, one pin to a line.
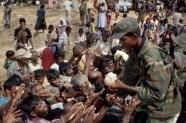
pixel 39 76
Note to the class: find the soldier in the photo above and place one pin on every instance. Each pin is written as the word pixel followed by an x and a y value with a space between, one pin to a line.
pixel 156 76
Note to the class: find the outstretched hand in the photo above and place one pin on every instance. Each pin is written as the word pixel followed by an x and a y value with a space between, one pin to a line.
pixel 12 115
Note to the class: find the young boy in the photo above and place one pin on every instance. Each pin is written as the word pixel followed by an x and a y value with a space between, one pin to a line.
pixel 53 78
pixel 13 89
pixel 39 76
pixel 9 59
pixel 66 72
pixel 81 37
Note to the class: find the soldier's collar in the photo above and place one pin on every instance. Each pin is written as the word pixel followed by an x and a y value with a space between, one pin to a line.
pixel 137 50
pixel 144 47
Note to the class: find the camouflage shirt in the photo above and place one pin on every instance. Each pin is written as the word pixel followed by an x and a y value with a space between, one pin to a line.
pixel 156 80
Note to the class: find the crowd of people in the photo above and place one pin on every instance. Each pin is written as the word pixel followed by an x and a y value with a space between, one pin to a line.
pixel 118 70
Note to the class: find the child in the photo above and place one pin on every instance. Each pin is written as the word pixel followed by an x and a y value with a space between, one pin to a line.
pixel 92 26
pixel 11 87
pixel 9 59
pixel 53 78
pixel 7 15
pixel 39 76
pixel 81 37
pixel 51 35
pixel 66 72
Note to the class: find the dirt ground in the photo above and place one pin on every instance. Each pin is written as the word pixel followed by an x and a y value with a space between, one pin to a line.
pixel 29 13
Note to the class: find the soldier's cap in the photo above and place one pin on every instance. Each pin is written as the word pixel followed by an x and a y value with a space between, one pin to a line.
pixel 126 25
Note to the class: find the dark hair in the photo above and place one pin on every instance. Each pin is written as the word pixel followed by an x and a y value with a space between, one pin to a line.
pixel 81 30
pixel 59 54
pixel 28 104
pixel 50 26
pixel 170 26
pixel 181 20
pixel 42 6
pixel 124 15
pixel 105 32
pixel 10 53
pixel 165 20
pixel 14 80
pixel 92 19
pixel 54 114
pixel 104 61
pixel 39 73
pixel 98 86
pixel 113 115
pixel 102 4
pixel 22 20
pixel 68 28
pixel 52 74
pixel 63 68
pixel 115 48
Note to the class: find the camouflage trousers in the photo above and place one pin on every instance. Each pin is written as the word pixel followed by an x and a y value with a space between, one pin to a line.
pixel 169 120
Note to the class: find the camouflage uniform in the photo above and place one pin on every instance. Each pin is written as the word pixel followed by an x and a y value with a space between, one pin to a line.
pixel 157 79
pixel 159 85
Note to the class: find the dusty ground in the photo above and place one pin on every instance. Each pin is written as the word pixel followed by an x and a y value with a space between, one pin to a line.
pixel 52 16
pixel 6 35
